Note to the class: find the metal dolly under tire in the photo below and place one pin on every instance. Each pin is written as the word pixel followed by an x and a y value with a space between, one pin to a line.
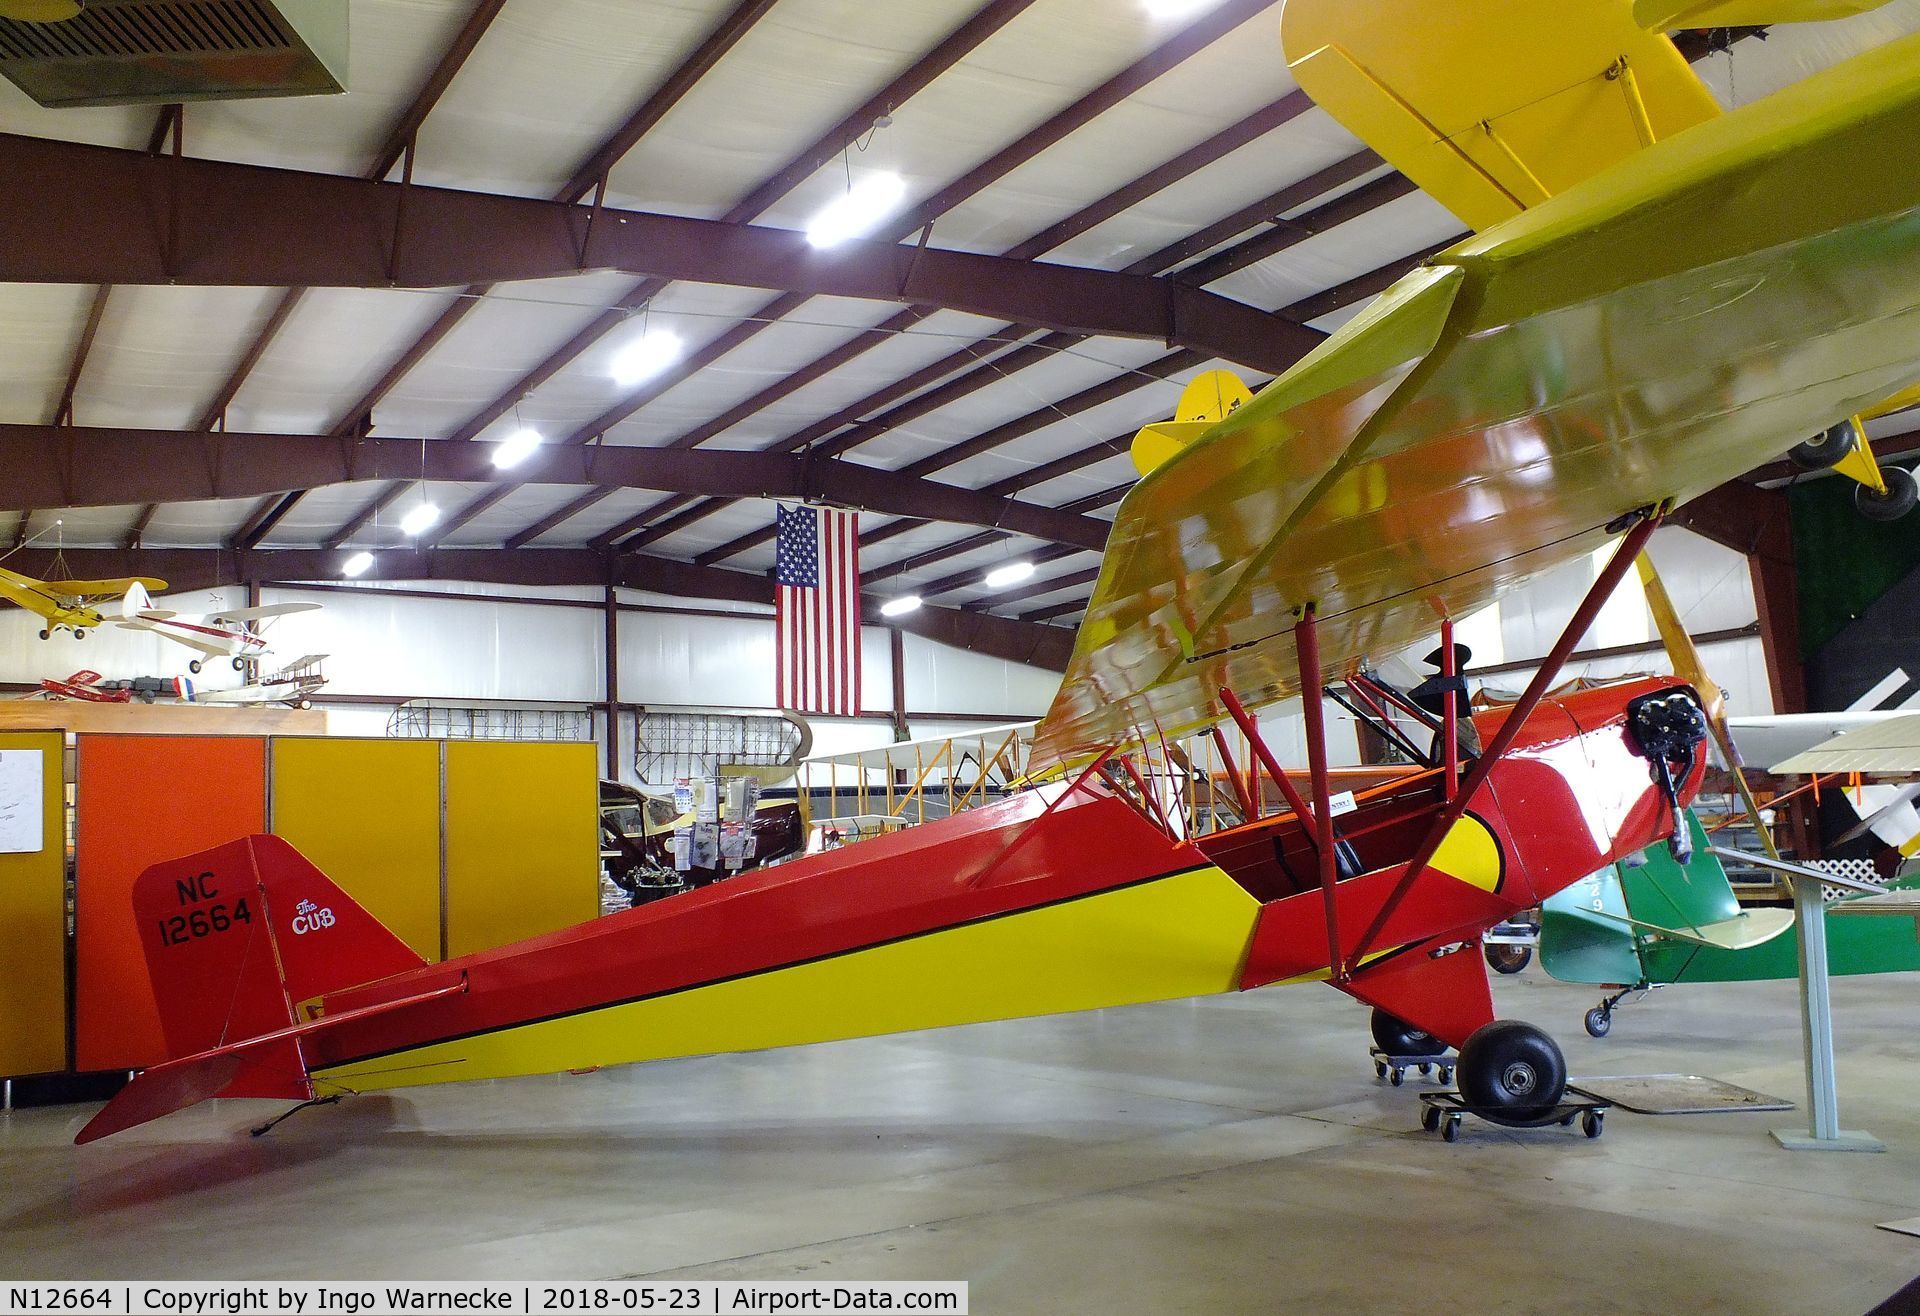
pixel 1394 1068
pixel 1443 1113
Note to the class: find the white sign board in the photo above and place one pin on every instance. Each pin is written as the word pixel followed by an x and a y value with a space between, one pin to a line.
pixel 22 802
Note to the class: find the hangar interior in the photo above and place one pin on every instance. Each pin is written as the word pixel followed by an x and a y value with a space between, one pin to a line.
pixel 443 368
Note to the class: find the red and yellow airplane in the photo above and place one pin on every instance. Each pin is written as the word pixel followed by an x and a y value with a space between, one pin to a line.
pixel 1662 298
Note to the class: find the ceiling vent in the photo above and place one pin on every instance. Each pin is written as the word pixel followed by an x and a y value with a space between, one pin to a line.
pixel 132 52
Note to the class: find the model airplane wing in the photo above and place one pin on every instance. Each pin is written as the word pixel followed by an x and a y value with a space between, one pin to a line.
pixel 1640 337
pixel 102 589
pixel 232 615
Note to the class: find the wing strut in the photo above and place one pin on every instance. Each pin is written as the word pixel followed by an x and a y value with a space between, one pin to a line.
pixel 1306 644
pixel 1602 589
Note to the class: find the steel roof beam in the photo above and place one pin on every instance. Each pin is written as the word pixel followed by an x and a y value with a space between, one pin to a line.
pixel 647 527
pixel 57 466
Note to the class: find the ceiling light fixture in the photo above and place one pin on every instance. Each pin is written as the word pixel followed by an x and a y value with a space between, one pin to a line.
pixel 515 448
pixel 645 357
pixel 1011 574
pixel 419 519
pixel 901 606
pixel 356 565
pixel 857 211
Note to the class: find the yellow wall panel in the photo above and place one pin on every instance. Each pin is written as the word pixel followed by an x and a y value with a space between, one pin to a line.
pixel 523 841
pixel 33 931
pixel 367 812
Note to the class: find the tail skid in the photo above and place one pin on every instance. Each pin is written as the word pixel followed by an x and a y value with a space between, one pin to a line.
pixel 240 942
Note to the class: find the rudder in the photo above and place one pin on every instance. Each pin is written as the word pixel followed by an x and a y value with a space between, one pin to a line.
pixel 238 938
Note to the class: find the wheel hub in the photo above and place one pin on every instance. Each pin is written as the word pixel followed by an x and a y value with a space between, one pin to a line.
pixel 1519 1078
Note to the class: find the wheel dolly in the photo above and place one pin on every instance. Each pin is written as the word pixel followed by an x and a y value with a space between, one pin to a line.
pixel 1443 1113
pixel 1393 1067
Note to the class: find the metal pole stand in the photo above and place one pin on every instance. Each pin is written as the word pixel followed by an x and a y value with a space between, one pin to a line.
pixel 1816 1030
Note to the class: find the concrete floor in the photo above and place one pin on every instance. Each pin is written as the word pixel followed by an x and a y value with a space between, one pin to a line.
pixel 1227 1155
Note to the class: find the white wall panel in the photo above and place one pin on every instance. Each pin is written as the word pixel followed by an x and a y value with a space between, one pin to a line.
pixel 944 680
pixel 446 648
pixel 719 661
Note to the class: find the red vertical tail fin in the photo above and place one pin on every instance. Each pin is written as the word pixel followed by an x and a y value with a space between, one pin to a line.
pixel 239 939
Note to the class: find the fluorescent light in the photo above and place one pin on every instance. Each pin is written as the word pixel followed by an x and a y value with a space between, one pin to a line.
pixel 1011 574
pixel 417 520
pixel 901 606
pixel 646 357
pixel 516 447
pixel 356 565
pixel 857 210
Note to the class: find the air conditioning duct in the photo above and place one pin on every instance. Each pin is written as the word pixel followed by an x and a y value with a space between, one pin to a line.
pixel 134 52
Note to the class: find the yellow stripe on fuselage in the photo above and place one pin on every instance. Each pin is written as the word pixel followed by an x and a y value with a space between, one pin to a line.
pixel 1177 936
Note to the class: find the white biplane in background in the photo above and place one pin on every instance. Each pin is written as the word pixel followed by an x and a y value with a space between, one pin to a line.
pixel 232 633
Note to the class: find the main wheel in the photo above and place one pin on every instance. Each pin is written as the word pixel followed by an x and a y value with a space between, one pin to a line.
pixel 1825 449
pixel 1508 959
pixel 1511 1072
pixel 1896 502
pixel 194 667
pixel 1599 1021
pixel 1398 1038
pixel 239 664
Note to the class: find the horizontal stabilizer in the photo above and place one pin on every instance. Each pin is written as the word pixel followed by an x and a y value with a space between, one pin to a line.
pixel 1750 927
pixel 178 1084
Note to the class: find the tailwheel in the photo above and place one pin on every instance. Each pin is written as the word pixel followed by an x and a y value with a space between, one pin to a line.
pixel 46 634
pixel 1397 1037
pixel 1503 958
pixel 1511 1072
pixel 1599 1021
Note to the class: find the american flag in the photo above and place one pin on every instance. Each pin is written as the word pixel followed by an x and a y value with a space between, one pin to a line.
pixel 817 611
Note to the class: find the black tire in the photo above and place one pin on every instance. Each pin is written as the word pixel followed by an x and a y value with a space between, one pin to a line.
pixel 1502 958
pixel 1599 1021
pixel 46 635
pixel 1450 1131
pixel 1899 499
pixel 1430 1118
pixel 1511 1072
pixel 194 667
pixel 1444 1074
pixel 239 664
pixel 1590 1123
pixel 1398 1038
pixel 1379 1069
pixel 79 635
pixel 1399 1077
pixel 1826 449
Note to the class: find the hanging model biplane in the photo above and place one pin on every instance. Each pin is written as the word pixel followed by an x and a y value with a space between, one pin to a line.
pixel 69 605
pixel 1662 298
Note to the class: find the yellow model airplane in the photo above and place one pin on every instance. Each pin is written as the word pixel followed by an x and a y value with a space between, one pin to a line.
pixel 68 605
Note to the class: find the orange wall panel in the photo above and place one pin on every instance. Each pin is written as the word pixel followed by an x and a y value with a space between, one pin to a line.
pixel 141 799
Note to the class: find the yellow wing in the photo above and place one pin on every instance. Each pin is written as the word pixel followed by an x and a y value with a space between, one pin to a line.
pixel 103 589
pixel 1496 106
pixel 1642 336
